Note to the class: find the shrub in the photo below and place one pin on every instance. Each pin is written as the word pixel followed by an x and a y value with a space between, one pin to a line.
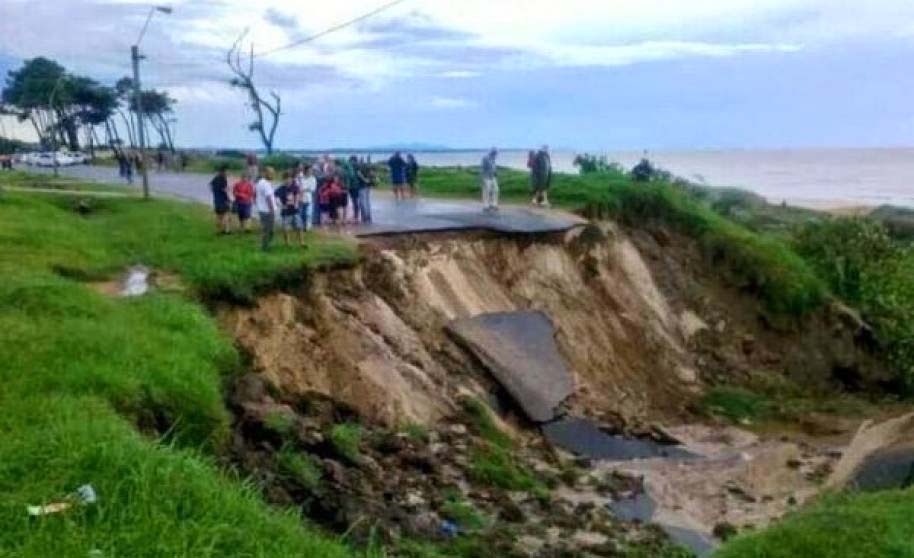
pixel 868 269
pixel 593 164
pixel 278 422
pixel 299 467
pixel 346 439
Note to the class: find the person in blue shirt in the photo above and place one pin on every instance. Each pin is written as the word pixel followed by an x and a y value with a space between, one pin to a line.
pixel 398 175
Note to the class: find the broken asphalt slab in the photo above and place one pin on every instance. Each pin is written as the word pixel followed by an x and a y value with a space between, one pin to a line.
pixel 519 350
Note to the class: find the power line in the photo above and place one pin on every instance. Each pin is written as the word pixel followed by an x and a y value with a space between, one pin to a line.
pixel 343 25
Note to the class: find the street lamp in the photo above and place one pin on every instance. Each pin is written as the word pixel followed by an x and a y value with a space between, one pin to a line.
pixel 137 95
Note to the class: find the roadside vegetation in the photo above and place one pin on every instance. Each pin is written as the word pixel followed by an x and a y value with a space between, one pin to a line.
pixel 838 526
pixel 126 394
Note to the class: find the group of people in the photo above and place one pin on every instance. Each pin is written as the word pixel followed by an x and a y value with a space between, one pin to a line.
pixel 404 176
pixel 540 164
pixel 328 192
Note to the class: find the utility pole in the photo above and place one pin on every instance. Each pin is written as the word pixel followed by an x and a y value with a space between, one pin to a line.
pixel 138 104
pixel 135 57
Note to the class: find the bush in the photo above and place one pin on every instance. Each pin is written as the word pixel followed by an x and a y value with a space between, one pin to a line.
pixel 299 467
pixel 593 164
pixel 346 439
pixel 869 270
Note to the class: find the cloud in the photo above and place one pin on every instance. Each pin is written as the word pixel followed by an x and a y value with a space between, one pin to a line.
pixel 458 74
pixel 451 103
pixel 281 20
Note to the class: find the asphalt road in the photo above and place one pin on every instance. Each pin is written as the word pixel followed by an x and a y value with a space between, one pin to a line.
pixel 390 217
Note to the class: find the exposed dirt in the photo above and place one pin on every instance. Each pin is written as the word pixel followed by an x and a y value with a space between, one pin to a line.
pixel 644 323
pixel 641 334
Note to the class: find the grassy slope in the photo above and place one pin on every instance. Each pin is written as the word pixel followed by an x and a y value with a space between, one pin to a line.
pixel 867 526
pixel 79 369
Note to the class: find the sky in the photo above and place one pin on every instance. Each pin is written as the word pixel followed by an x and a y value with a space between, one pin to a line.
pixel 577 74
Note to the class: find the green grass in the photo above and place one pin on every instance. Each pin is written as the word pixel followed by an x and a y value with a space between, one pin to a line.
pixel 493 462
pixel 736 404
pixel 779 401
pixel 278 422
pixel 847 526
pixel 300 467
pixel 346 439
pixel 464 514
pixel 84 376
pixel 22 179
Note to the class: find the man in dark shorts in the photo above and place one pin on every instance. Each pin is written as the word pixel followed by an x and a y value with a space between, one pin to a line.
pixel 221 201
pixel 288 196
pixel 398 175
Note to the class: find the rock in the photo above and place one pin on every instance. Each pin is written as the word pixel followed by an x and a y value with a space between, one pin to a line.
pixel 589 538
pixel 458 430
pixel 520 351
pixel 724 531
pixel 335 471
pixel 414 500
pixel 249 388
pixel 425 524
pixel 528 545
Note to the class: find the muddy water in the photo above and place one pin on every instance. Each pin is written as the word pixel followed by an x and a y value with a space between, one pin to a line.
pixel 584 438
pixel 885 470
pixel 136 283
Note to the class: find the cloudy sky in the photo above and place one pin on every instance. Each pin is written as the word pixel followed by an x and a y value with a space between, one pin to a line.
pixel 587 74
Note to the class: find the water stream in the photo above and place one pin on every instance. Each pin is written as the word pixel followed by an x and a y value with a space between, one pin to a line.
pixel 585 438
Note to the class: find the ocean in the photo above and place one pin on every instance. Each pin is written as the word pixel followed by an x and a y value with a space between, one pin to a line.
pixel 817 178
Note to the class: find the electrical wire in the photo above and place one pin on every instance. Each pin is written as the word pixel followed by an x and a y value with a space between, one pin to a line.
pixel 333 29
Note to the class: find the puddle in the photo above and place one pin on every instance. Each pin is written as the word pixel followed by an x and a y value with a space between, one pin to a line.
pixel 136 282
pixel 885 470
pixel 584 438
pixel 643 508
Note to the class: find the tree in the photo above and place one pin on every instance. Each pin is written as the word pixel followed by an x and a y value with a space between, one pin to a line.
pixel 29 94
pixel 244 79
pixel 158 106
pixel 94 105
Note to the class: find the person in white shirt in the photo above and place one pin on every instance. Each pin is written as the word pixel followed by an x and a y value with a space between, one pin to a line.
pixel 307 186
pixel 266 207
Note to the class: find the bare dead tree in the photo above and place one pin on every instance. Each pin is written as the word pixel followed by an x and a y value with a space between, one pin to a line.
pixel 244 79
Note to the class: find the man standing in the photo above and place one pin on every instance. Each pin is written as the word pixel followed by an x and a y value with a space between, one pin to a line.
pixel 366 182
pixel 221 203
pixel 398 175
pixel 541 176
pixel 243 193
pixel 489 174
pixel 412 175
pixel 266 207
pixel 307 186
pixel 288 195
pixel 251 161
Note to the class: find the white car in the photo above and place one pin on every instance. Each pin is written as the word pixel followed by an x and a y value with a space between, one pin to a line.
pixel 51 159
pixel 27 158
pixel 77 158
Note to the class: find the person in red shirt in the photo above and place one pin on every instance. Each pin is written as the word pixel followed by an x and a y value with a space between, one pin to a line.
pixel 243 192
pixel 329 196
